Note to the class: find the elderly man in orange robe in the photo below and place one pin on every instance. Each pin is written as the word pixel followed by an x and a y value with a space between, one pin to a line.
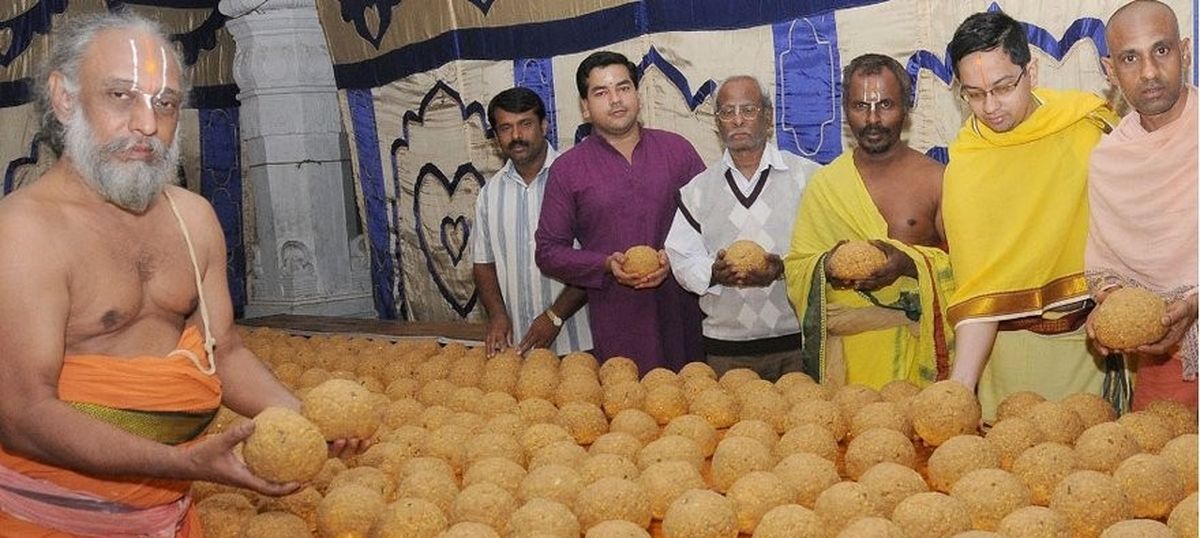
pixel 117 342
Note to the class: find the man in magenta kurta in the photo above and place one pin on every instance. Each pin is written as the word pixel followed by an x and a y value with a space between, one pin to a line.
pixel 615 189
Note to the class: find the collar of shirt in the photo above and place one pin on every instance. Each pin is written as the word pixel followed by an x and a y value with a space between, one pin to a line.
pixel 770 157
pixel 509 171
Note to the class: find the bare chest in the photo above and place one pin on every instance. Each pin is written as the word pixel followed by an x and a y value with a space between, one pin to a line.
pixel 909 209
pixel 120 277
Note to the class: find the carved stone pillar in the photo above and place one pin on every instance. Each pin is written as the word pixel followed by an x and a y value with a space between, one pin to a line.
pixel 296 161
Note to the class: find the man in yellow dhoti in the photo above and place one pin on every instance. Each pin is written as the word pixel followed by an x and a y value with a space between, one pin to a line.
pixel 1015 211
pixel 891 325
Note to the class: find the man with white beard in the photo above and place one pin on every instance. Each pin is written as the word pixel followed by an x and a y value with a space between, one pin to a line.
pixel 117 342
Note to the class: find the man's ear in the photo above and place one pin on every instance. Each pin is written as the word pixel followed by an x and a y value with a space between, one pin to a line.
pixel 61 100
pixel 1032 68
pixel 1109 72
pixel 583 108
pixel 1186 46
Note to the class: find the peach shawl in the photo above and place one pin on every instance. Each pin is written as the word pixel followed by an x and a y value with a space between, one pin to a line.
pixel 1143 197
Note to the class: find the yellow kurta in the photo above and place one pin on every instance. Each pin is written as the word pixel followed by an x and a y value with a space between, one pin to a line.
pixel 1016 214
pixel 877 344
pixel 1015 209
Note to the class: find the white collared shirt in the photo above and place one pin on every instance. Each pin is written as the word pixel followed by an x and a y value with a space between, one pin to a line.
pixel 506 217
pixel 712 215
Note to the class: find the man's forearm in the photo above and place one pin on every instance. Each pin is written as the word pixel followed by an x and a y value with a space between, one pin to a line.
pixel 569 301
pixel 53 432
pixel 576 267
pixel 972 346
pixel 487 283
pixel 248 386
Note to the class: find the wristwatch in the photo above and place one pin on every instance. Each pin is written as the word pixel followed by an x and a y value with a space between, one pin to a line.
pixel 554 319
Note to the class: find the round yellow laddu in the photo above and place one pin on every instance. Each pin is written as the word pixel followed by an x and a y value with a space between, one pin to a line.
pixel 598 466
pixel 665 481
pixel 943 410
pixel 700 513
pixel 613 498
pixel 932 514
pixel 284 447
pixel 542 517
pixel 1128 318
pixel 1183 518
pixel 745 255
pixel 845 502
pixel 1138 528
pixel 790 521
pixel 808 475
pixel 1152 484
pixel 856 260
pixel 341 409
pixel 409 516
pixel 1012 436
pixel 276 525
pixel 990 495
pixel 1034 522
pixel 1090 501
pixel 892 483
pixel 640 260
pixel 349 509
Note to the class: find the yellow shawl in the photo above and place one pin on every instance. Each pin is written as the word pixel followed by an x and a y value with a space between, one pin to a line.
pixel 837 206
pixel 1015 209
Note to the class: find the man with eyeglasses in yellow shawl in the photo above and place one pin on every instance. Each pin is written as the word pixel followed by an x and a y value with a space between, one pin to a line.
pixel 1015 212
pixel 891 325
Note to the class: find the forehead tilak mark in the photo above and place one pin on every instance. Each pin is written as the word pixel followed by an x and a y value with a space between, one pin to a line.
pixel 133 51
pixel 162 87
pixel 871 93
pixel 982 72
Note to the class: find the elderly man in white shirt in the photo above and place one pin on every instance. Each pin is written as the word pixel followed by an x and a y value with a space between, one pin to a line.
pixel 751 193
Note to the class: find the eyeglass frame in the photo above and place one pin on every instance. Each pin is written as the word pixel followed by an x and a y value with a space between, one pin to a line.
pixel 999 92
pixel 747 111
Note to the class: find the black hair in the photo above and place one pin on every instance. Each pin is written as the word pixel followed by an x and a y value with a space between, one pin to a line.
pixel 600 59
pixel 515 101
pixel 986 31
pixel 873 64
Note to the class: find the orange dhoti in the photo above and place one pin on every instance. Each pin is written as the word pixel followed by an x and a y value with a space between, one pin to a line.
pixel 168 400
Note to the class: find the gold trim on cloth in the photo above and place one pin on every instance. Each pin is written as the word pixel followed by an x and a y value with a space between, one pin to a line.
pixel 165 427
pixel 999 306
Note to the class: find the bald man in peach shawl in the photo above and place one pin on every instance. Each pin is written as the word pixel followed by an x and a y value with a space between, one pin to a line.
pixel 1142 190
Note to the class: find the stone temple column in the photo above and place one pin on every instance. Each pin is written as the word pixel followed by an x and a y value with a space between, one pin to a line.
pixel 297 163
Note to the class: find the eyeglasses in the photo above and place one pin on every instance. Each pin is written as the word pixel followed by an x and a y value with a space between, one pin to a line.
pixel 747 112
pixel 972 95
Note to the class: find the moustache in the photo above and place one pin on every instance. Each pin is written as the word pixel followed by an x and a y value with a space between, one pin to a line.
pixel 129 143
pixel 517 144
pixel 874 130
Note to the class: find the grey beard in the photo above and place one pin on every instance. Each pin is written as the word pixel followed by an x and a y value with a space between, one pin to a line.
pixel 129 185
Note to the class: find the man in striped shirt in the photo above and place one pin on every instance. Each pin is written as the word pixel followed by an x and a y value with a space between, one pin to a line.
pixel 524 307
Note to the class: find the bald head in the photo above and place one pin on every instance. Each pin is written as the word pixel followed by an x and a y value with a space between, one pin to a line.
pixel 1141 13
pixel 1148 61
